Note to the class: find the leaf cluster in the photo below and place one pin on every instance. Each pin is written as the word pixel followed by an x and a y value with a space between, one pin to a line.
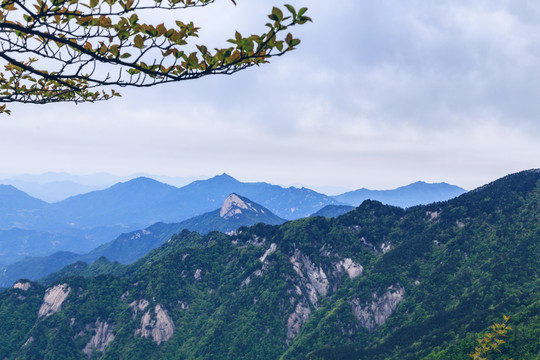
pixel 491 341
pixel 74 50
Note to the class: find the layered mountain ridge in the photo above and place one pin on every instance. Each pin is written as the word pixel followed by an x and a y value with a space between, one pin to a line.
pixel 82 222
pixel 378 282
pixel 235 212
pixel 418 193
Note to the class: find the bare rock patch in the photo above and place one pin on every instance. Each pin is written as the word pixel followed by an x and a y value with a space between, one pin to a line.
pixel 53 299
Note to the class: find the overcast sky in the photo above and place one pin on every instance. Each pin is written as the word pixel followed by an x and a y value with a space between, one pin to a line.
pixel 379 94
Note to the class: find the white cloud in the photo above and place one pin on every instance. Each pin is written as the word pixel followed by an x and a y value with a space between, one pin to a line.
pixel 379 93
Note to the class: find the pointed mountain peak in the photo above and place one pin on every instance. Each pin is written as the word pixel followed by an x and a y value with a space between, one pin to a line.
pixel 234 204
pixel 224 178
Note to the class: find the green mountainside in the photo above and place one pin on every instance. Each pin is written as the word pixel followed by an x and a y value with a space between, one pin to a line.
pixel 378 282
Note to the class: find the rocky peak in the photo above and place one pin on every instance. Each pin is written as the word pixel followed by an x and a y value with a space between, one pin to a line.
pixel 233 205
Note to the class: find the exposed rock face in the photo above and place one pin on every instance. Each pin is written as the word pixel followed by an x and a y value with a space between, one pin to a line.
pixel 139 306
pixel 314 279
pixel 256 241
pixel 160 327
pixel 374 314
pixel 385 247
pixel 124 296
pixel 353 269
pixel 247 280
pixel 268 252
pixel 233 205
pixel 297 319
pixel 183 305
pixel 23 285
pixel 53 299
pixel 28 342
pixel 103 335
pixel 368 245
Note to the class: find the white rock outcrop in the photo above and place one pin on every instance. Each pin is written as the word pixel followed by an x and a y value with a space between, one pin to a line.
pixel 268 252
pixel 371 315
pixel 352 268
pixel 53 299
pixel 247 280
pixel 102 337
pixel 297 319
pixel 386 247
pixel 139 305
pixel 23 285
pixel 160 326
pixel 256 241
pixel 313 277
pixel 28 341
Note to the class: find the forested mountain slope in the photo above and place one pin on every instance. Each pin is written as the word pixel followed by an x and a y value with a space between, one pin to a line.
pixel 379 282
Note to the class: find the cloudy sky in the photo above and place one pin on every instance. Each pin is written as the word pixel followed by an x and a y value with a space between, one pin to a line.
pixel 379 94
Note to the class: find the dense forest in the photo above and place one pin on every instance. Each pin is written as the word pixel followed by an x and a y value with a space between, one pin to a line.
pixel 378 282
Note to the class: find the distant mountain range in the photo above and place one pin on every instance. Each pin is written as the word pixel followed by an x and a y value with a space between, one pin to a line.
pixel 235 212
pixel 82 222
pixel 418 193
pixel 53 191
pixel 16 243
pixel 54 187
pixel 16 206
pixel 143 201
pixel 379 282
pixel 333 210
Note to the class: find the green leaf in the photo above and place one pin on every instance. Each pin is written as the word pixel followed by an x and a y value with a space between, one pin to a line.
pixel 277 13
pixel 138 42
pixel 291 9
pixel 133 19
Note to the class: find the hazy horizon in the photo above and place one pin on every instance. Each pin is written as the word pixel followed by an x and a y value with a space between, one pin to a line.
pixel 109 179
pixel 377 95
